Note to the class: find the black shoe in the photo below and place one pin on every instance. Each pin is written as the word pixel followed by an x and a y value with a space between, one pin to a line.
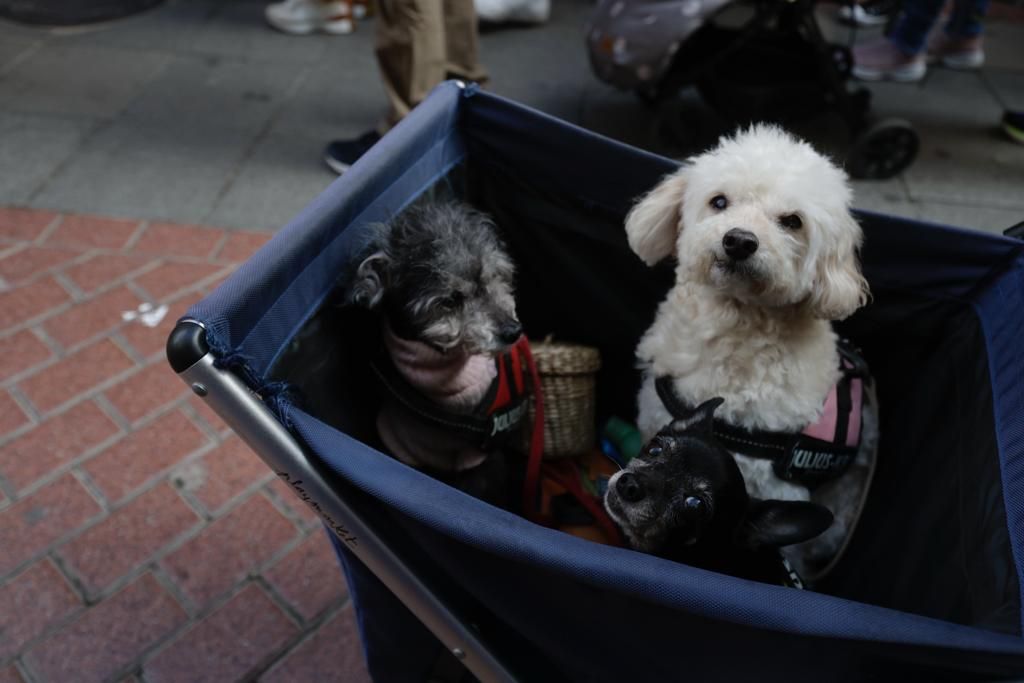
pixel 1013 124
pixel 341 154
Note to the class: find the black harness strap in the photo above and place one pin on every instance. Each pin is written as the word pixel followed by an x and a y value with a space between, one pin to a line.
pixel 795 456
pixel 758 444
pixel 844 406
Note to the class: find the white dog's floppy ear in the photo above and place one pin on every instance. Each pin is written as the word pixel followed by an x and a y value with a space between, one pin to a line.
pixel 368 285
pixel 839 288
pixel 653 223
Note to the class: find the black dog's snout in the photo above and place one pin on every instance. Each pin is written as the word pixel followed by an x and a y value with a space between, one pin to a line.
pixel 739 244
pixel 509 332
pixel 630 488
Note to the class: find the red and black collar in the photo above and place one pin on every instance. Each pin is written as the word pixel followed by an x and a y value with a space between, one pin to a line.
pixel 496 416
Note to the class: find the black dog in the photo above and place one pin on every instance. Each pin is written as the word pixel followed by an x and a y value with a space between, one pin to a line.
pixel 683 498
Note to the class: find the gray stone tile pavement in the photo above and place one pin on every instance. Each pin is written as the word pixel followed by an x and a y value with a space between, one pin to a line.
pixel 280 161
pixel 1005 45
pixel 142 171
pixel 14 48
pixel 1007 85
pixel 196 112
pixel 32 147
pixel 83 80
pixel 962 160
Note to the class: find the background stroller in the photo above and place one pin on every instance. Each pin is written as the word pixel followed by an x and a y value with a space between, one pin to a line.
pixel 755 60
pixel 930 587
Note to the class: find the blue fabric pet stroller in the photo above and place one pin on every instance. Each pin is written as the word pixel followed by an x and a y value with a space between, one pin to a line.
pixel 930 587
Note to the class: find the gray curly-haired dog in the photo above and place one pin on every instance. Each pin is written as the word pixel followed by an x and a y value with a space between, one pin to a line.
pixel 441 275
pixel 442 280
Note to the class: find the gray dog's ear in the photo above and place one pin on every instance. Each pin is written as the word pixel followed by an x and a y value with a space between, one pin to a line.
pixel 370 280
pixel 777 523
pixel 653 224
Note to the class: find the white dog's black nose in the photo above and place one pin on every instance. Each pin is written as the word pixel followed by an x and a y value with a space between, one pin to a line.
pixel 739 244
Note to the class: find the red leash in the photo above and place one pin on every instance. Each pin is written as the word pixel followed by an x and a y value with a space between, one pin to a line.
pixel 564 474
pixel 531 487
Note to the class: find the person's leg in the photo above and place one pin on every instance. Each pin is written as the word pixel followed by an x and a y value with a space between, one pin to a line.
pixel 966 19
pixel 900 55
pixel 959 45
pixel 410 53
pixel 462 44
pixel 914 23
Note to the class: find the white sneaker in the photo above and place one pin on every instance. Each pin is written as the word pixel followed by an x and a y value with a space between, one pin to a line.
pixel 956 52
pixel 518 11
pixel 867 12
pixel 302 17
pixel 879 60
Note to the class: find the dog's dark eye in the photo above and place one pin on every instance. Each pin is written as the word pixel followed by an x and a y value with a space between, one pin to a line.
pixel 693 503
pixel 654 451
pixel 791 221
pixel 719 202
pixel 452 301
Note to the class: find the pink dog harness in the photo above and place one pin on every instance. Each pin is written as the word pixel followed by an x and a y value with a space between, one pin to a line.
pixel 821 451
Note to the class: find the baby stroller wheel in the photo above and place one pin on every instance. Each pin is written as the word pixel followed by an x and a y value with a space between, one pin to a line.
pixel 883 150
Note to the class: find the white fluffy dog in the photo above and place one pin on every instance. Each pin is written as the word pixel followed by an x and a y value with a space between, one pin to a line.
pixel 766 248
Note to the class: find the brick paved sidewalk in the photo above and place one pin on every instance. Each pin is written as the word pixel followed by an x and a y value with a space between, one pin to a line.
pixel 140 539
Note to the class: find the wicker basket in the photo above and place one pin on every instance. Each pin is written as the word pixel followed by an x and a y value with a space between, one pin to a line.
pixel 568 380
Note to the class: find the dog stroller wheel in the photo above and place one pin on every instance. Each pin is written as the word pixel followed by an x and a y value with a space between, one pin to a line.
pixel 883 150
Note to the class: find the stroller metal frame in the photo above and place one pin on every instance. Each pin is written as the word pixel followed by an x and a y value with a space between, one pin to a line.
pixel 246 414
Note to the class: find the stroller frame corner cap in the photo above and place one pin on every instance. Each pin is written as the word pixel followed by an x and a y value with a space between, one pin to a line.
pixel 186 345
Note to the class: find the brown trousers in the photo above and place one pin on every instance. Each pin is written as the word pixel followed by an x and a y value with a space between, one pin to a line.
pixel 421 43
